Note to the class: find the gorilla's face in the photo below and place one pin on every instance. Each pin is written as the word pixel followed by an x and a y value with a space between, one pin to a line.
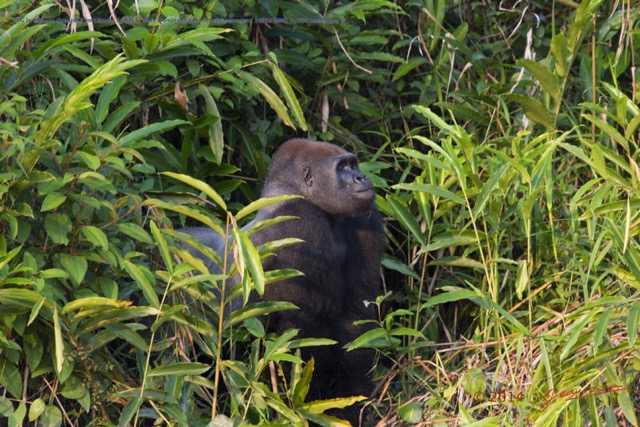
pixel 337 186
pixel 324 174
pixel 354 183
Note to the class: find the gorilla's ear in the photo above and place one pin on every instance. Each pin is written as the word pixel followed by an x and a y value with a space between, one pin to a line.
pixel 308 178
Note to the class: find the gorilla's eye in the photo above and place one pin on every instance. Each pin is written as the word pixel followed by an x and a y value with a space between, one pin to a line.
pixel 347 165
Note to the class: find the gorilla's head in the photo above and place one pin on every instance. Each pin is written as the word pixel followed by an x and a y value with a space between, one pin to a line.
pixel 324 174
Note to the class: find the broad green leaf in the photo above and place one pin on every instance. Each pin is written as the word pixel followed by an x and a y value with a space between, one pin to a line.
pixel 77 391
pixel 411 412
pixel 35 310
pixel 450 296
pixel 360 8
pixel 473 381
pixel 534 110
pixel 130 409
pixel 406 332
pixel 5 259
pixel 90 160
pixel 600 165
pixel 15 36
pixel 10 378
pixel 322 419
pixel 433 118
pixel 108 95
pixel 58 226
pixel 191 213
pixel 633 320
pixel 390 263
pixel 628 406
pixel 89 303
pixel 251 259
pixel 284 273
pixel 258 309
pixel 16 418
pixel 143 282
pixel 197 38
pixel 573 333
pixel 116 118
pixel 135 231
pixel 36 409
pixel 47 48
pixel 320 406
pixel 544 76
pixel 456 261
pixel 54 273
pixel 52 201
pixel 374 338
pixel 488 188
pixel 95 236
pixel 108 316
pixel 408 66
pixel 300 383
pixel 463 238
pixel 76 266
pixel 632 127
pixel 6 407
pixel 185 368
pixel 216 135
pixel 609 130
pixel 162 246
pixel 601 328
pixel 405 217
pixel 431 189
pixel 310 342
pixel 149 130
pixel 22 209
pixel 25 298
pixel 560 52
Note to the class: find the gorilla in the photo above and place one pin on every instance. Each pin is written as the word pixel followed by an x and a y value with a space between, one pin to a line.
pixel 343 242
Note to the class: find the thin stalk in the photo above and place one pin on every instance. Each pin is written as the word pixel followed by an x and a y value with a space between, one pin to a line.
pixel 223 302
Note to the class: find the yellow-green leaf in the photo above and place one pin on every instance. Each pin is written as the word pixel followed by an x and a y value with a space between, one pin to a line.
pixel 199 185
pixel 289 96
pixel 58 353
pixel 269 95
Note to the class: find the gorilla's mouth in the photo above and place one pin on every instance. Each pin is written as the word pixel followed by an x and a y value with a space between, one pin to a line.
pixel 364 191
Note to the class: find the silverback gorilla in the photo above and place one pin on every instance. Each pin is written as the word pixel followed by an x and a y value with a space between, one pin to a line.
pixel 340 259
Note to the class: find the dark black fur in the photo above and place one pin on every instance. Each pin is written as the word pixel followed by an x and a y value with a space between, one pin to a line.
pixel 340 259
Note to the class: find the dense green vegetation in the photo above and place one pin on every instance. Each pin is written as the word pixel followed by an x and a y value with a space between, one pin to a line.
pixel 504 143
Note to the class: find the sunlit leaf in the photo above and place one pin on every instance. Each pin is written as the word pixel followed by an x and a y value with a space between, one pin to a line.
pixel 269 95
